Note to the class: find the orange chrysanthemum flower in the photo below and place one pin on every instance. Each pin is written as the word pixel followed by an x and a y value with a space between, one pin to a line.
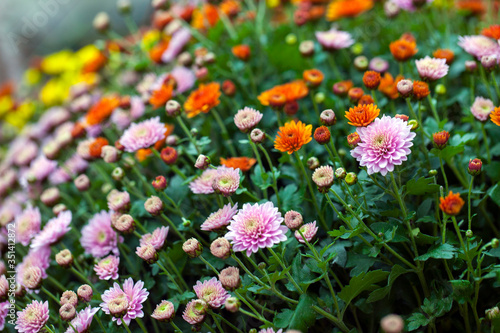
pixel 241 52
pixel 202 99
pixel 161 96
pixel 451 204
pixel 420 89
pixel 293 136
pixel 475 7
pixel 292 91
pixel 493 31
pixel 157 51
pixel 402 49
pixel 96 147
pixel 347 8
pixel 445 54
pixel 314 77
pixel 205 17
pixel 362 115
pixel 366 99
pixel 316 12
pixel 95 64
pixel 230 7
pixel 371 79
pixel 495 116
pixel 242 163
pixel 143 153
pixel 389 86
pixel 102 110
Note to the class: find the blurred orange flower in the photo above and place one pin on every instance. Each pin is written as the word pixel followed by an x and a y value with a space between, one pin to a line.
pixel 493 31
pixel 347 8
pixel 402 49
pixel 161 96
pixel 205 17
pixel 389 86
pixel 102 110
pixel 362 115
pixel 293 136
pixel 230 7
pixel 202 99
pixel 292 91
pixel 495 116
pixel 313 76
pixel 445 54
pixel 241 52
pixel 242 163
pixel 96 147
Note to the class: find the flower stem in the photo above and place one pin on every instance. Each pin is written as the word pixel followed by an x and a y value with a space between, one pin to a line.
pixel 485 139
pixel 188 133
pixel 126 326
pixel 225 134
pixel 433 109
pixel 275 181
pixel 287 273
pixel 173 226
pixel 340 324
pixel 209 265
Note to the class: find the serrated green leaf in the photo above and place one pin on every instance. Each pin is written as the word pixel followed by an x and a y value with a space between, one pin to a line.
pixel 380 293
pixel 494 194
pixel 416 320
pixel 304 315
pixel 282 319
pixel 442 251
pixel 360 283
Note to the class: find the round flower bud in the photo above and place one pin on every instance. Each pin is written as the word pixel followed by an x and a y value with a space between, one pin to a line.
pixel 405 88
pixel 59 208
pixel 169 155
pixel 291 108
pixel 192 247
pixel 69 297
pixel 85 293
pixel 118 307
pixel 173 108
pixel 154 205
pixel 391 9
pixel 357 48
pixel 124 223
pixel 470 66
pixel 414 124
pixel 371 79
pixel 118 174
pixel 319 97
pixel 209 58
pixel 230 278
pixel 202 74
pixel 495 243
pixel 202 162
pixel 110 154
pixel 82 183
pixel 118 201
pixel 441 89
pixel 440 139
pixel 50 196
pixel 101 22
pixel 160 183
pixel 402 117
pixel 312 163
pixel 32 277
pixel 492 313
pixel 353 139
pixel 379 65
pixel 257 136
pixel 232 304
pixel 366 100
pixel 291 39
pixel 433 172
pixel 221 248
pixel 185 59
pixel 489 62
pixel 323 178
pixel 64 258
pixel 340 173
pixel 469 233
pixel 351 178
pixel 355 94
pixel 124 6
pixel 186 223
pixel 361 63
pixel 67 312
pixel 392 324
pixel 327 117
pixel 228 88
pixel 293 220
pixel 475 166
pixel 322 135
pixel 147 253
pixel 164 311
pixel 261 266
pixel 172 140
pixel 306 48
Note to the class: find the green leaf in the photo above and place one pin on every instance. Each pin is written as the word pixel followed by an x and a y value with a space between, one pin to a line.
pixel 416 320
pixel 494 194
pixel 290 197
pixel 462 290
pixel 448 152
pixel 304 315
pixel 421 186
pixel 282 319
pixel 442 251
pixel 380 293
pixel 360 283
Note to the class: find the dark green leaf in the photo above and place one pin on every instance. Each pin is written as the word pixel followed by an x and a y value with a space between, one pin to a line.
pixel 304 315
pixel 380 293
pixel 421 186
pixel 360 283
pixel 442 251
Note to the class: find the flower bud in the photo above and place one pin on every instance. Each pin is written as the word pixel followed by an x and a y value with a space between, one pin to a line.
pixel 492 313
pixel 291 39
pixel 312 163
pixel 469 233
pixel 202 74
pixel 257 136
pixel 291 108
pixel 414 124
pixel 319 97
pixel 323 178
pixel 32 277
pixel 110 154
pixel 124 6
pixel 192 247
pixel 351 178
pixel 371 79
pixel 209 58
pixel 262 265
pixel 475 166
pixel 85 293
pixel 355 94
pixel 391 9
pixel 154 205
pixel 147 253
pixel 101 22
pixel 402 117
pixel 202 162
pixel 164 311
pixel 169 155
pixel 489 62
pixel 118 174
pixel 340 173
pixel 230 278
pixel 50 196
pixel 357 48
pixel 64 258
pixel 221 248
pixel 69 297
pixel 67 312
pixel 353 139
pixel 124 223
pixel 232 304
pixel 59 208
pixel 185 59
pixel 379 65
pixel 322 135
pixel 440 139
pixel 495 243
pixel 328 118
pixel 173 108
pixel 186 223
pixel 361 63
pixel 433 172
pixel 306 48
pixel 392 324
pixel 405 88
pixel 470 66
pixel 172 140
pixel 293 220
pixel 118 307
pixel 160 183
pixel 229 88
pixel 82 183
pixel 441 89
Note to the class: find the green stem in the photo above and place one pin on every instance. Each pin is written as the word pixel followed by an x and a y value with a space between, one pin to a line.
pixel 172 225
pixel 188 133
pixel 485 139
pixel 169 276
pixel 209 265
pixel 468 202
pixel 340 324
pixel 259 160
pixel 126 326
pixel 50 295
pixel 495 84
pixel 444 174
pixel 176 329
pixel 287 273
pixel 225 134
pixel 275 180
pixel 433 109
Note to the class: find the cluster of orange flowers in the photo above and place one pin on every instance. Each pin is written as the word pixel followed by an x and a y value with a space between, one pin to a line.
pixel 284 93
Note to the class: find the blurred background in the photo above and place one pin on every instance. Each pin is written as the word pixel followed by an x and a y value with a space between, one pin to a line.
pixel 30 28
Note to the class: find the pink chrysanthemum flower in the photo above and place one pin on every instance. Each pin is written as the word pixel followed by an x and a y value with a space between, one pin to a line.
pixel 156 238
pixel 203 184
pixel 83 320
pixel 179 39
pixel 184 79
pixel 40 258
pixel 41 168
pixel 309 230
pixel 247 118
pixel 384 143
pixel 191 314
pixel 137 107
pixel 431 68
pixel 334 39
pixel 4 310
pixel 120 118
pixel 74 166
pixel 270 330
pixel 53 231
pixel 33 318
pixel 220 218
pixel 136 294
pixel 27 225
pixel 407 4
pixel 256 226
pixel 479 46
pixel 212 292
pixel 143 134
pixel 98 237
pixel 481 108
pixel 107 268
pixel 226 181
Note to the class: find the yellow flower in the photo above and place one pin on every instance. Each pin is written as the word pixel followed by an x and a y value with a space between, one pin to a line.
pixel 59 62
pixel 150 39
pixel 6 104
pixel 54 92
pixel 19 117
pixel 32 76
